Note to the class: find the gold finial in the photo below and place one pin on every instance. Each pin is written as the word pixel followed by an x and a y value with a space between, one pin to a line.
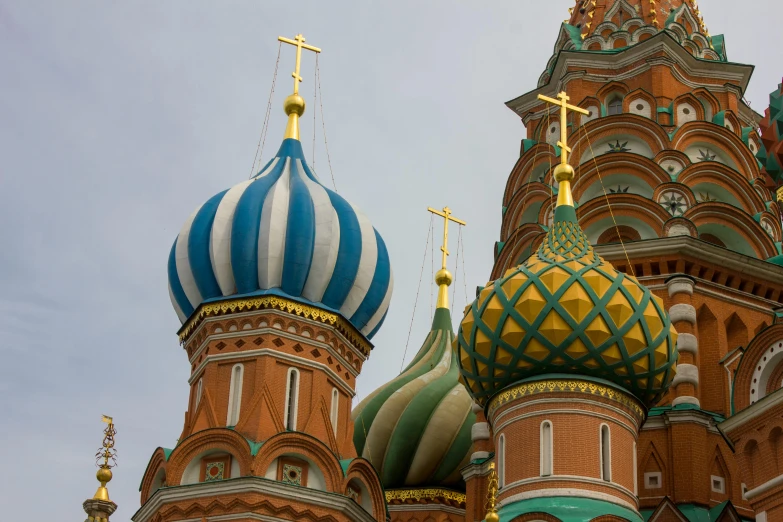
pixel 443 278
pixel 294 105
pixel 564 172
pixel 108 455
pixel 492 495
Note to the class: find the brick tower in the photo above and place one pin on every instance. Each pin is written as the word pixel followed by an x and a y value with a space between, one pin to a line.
pixel 564 353
pixel 674 186
pixel 280 283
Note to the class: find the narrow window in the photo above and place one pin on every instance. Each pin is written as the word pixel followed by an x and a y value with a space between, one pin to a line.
pixel 235 395
pixel 606 454
pixel 335 405
pixel 199 391
pixel 501 458
pixel 546 448
pixel 291 399
pixel 615 106
pixel 635 473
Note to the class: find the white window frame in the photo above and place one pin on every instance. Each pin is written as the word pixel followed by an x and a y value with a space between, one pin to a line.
pixel 501 458
pixel 547 442
pixel 635 472
pixel 335 409
pixel 653 475
pixel 721 484
pixel 199 391
pixel 292 425
pixel 235 389
pixel 605 453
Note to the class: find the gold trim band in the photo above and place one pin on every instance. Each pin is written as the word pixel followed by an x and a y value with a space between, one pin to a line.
pixel 274 303
pixel 568 386
pixel 420 494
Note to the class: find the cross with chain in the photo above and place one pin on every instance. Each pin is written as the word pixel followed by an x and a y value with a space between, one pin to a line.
pixel 562 102
pixel 299 42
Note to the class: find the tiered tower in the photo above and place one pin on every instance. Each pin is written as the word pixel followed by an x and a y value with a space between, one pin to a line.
pixel 416 429
pixel 674 186
pixel 564 353
pixel 280 284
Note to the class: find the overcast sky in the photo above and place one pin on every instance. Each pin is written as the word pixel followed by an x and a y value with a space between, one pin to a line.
pixel 118 119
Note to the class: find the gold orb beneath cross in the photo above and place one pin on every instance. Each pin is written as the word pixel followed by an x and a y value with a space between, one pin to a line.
pixel 564 172
pixel 294 104
pixel 443 277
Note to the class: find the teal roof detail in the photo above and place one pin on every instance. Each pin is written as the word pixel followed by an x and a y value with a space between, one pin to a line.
pixel 575 34
pixel 254 446
pixel 658 411
pixel 718 42
pixel 344 464
pixel 528 144
pixel 777 260
pixel 167 453
pixel 567 509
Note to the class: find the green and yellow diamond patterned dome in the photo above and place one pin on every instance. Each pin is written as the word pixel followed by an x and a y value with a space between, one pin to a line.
pixel 566 311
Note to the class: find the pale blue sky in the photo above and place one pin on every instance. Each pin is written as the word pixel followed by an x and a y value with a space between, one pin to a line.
pixel 117 119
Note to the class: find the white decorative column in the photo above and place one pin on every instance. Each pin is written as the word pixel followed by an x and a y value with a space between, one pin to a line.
pixel 479 433
pixel 683 316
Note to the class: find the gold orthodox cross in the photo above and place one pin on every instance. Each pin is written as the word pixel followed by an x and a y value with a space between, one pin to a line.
pixel 562 102
pixel 299 42
pixel 446 215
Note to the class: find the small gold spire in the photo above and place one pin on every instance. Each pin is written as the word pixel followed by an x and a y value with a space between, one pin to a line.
pixel 443 277
pixel 108 454
pixel 492 495
pixel 564 172
pixel 294 105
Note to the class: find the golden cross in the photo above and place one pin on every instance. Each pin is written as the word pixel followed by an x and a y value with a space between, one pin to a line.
pixel 562 102
pixel 299 42
pixel 446 215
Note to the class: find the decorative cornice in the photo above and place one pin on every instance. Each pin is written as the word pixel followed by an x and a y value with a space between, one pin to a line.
pixel 684 245
pixel 675 53
pixel 274 303
pixel 339 380
pixel 434 495
pixel 256 485
pixel 565 386
pixel 752 412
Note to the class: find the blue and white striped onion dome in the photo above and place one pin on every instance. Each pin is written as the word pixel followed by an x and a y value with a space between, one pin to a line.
pixel 283 233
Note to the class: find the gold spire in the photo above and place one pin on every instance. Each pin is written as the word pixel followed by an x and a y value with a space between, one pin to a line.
pixel 564 172
pixel 443 277
pixel 492 494
pixel 294 105
pixel 108 454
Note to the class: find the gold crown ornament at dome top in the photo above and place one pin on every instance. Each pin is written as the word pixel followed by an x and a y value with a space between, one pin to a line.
pixel 566 311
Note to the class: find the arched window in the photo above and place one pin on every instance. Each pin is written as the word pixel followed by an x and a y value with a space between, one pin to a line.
pixel 199 391
pixel 291 399
pixel 546 448
pixel 235 394
pixel 615 106
pixel 335 405
pixel 501 458
pixel 606 454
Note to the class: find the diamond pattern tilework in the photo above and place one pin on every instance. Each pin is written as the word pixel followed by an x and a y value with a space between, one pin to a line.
pixel 565 310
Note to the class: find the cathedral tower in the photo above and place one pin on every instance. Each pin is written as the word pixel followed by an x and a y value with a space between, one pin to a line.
pixel 674 186
pixel 564 353
pixel 280 284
